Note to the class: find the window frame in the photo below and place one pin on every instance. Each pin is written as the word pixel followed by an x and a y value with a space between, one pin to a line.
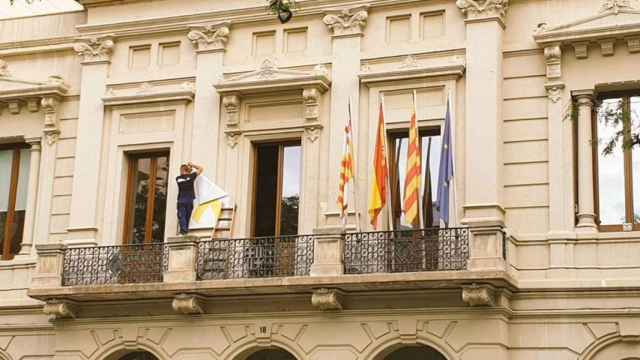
pixel 394 178
pixel 13 196
pixel 626 96
pixel 129 209
pixel 254 187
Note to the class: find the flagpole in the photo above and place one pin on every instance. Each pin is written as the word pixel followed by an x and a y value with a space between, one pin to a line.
pixel 355 173
pixel 386 150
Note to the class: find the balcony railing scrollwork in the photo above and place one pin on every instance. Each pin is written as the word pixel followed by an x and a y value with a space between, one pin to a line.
pixel 122 264
pixel 255 257
pixel 432 249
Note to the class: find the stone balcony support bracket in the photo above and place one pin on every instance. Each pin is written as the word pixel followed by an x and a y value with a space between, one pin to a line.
pixel 327 299
pixel 328 252
pixel 479 295
pixel 182 259
pixel 49 268
pixel 59 309
pixel 187 304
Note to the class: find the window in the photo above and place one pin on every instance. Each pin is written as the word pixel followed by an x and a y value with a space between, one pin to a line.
pixel 277 189
pixel 430 146
pixel 14 178
pixel 618 172
pixel 146 202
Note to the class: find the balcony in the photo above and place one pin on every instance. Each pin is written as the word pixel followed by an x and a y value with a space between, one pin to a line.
pixel 328 260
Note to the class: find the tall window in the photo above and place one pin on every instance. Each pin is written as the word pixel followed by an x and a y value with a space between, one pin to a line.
pixel 146 198
pixel 14 176
pixel 277 189
pixel 618 171
pixel 430 143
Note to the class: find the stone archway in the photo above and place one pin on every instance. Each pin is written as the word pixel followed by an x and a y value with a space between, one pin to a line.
pixel 411 352
pixel 273 353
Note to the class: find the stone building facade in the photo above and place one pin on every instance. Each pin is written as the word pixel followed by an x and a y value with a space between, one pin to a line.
pixel 543 256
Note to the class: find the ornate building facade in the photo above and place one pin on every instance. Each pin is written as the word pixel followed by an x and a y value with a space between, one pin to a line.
pixel 100 107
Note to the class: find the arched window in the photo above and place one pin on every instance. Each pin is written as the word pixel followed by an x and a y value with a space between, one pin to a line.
pixel 271 354
pixel 417 352
pixel 139 355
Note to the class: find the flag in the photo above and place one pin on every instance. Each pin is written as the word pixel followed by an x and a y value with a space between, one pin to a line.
pixel 378 195
pixel 207 205
pixel 346 166
pixel 427 198
pixel 445 173
pixel 412 177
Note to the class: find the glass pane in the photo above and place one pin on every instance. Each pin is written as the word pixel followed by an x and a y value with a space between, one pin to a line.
pixel 23 179
pixel 635 127
pixel 6 157
pixel 290 190
pixel 160 204
pixel 141 191
pixel 610 170
pixel 266 190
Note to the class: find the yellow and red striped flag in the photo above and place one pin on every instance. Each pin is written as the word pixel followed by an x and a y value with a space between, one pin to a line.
pixel 346 167
pixel 412 178
pixel 378 195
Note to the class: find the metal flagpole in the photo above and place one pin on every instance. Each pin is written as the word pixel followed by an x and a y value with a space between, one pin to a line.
pixel 386 150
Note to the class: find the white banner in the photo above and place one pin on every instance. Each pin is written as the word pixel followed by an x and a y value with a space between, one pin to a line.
pixel 207 206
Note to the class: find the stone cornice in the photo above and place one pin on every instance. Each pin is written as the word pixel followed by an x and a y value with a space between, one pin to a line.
pixel 484 9
pixel 208 38
pixel 409 69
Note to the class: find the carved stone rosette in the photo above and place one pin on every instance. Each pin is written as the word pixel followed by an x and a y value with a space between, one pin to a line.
pixel 95 50
pixel 347 22
pixel 479 9
pixel 326 299
pixel 212 37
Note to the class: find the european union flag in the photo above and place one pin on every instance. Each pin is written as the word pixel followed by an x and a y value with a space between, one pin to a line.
pixel 445 174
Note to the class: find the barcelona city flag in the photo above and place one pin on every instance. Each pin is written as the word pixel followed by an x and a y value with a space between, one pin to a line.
pixel 378 195
pixel 207 205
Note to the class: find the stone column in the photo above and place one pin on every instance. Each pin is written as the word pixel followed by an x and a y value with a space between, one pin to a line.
pixel 209 43
pixel 96 53
pixel 347 28
pixel 32 196
pixel 483 210
pixel 586 210
pixel 328 252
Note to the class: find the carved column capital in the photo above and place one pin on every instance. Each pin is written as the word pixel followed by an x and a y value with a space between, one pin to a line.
pixel 35 143
pixel 59 309
pixel 347 22
pixel 326 299
pixel 483 9
pixel 479 295
pixel 554 91
pixel 313 132
pixel 51 127
pixel 553 60
pixel 187 304
pixel 212 37
pixel 585 98
pixel 95 50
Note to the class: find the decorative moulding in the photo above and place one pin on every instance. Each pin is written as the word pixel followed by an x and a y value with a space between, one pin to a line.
pixel 616 20
pixel 213 37
pixel 410 68
pixel 147 92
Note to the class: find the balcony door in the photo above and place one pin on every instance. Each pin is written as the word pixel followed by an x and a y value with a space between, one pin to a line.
pixel 14 176
pixel 277 189
pixel 146 203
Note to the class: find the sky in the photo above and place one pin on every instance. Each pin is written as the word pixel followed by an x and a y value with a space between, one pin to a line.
pixel 21 8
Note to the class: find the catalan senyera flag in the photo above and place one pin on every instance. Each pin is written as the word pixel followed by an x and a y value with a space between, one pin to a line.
pixel 346 166
pixel 378 195
pixel 412 178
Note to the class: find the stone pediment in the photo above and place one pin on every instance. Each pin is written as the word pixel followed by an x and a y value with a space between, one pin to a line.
pixel 271 78
pixel 617 19
pixel 13 88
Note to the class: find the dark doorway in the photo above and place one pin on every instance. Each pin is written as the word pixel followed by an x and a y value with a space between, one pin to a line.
pixel 271 354
pixel 139 355
pixel 418 352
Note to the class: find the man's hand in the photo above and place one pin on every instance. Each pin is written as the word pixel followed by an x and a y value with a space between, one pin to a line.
pixel 198 168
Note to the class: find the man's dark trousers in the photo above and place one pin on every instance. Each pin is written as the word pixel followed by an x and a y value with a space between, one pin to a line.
pixel 185 207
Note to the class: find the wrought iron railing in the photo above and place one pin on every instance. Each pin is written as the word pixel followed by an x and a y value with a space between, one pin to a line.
pixel 124 264
pixel 255 257
pixel 433 249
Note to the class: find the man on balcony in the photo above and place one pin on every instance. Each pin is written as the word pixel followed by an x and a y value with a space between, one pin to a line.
pixel 186 193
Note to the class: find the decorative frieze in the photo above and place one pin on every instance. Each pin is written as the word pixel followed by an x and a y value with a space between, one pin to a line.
pixel 553 60
pixel 616 5
pixel 187 304
pixel 479 295
pixel 347 22
pixel 326 299
pixel 95 50
pixel 212 37
pixel 479 9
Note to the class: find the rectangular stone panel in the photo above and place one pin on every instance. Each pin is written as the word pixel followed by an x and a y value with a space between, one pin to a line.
pixel 518 130
pixel 433 25
pixel 139 56
pixel 525 151
pixel 530 108
pixel 528 220
pixel 398 29
pixel 264 43
pixel 295 41
pixel 157 121
pixel 169 54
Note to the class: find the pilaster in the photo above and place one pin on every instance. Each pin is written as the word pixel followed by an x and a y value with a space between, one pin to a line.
pixel 209 43
pixel 347 28
pixel 96 55
pixel 586 208
pixel 49 267
pixel 328 252
pixel 182 259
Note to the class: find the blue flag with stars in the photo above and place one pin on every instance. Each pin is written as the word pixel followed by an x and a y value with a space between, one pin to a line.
pixel 445 173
